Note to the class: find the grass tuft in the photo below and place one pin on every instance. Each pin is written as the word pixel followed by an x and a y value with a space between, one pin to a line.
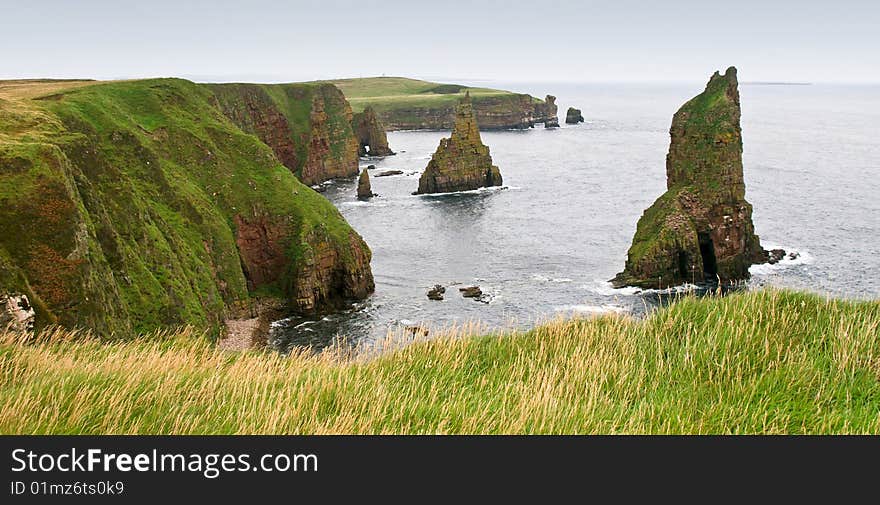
pixel 761 362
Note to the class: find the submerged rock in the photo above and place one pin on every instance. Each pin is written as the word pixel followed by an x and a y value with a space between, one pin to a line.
pixel 370 133
pixel 461 162
pixel 436 293
pixel 701 228
pixel 774 256
pixel 573 116
pixel 364 191
pixel 388 173
pixel 471 292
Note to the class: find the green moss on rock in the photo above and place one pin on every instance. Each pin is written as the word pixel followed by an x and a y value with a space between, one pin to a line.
pixel 147 207
pixel 461 162
pixel 307 125
pixel 702 226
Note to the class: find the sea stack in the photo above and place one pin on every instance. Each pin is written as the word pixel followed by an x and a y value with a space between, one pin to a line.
pixel 461 162
pixel 370 133
pixel 573 116
pixel 364 192
pixel 701 228
pixel 552 119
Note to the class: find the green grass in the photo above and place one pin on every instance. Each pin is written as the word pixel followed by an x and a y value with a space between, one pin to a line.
pixel 118 204
pixel 759 362
pixel 388 93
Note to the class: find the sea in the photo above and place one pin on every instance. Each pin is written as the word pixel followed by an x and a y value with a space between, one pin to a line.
pixel 545 244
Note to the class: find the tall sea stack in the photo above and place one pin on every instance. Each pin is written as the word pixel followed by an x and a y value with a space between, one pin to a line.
pixel 701 228
pixel 461 162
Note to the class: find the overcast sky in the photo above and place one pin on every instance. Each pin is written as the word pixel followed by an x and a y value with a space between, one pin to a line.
pixel 576 40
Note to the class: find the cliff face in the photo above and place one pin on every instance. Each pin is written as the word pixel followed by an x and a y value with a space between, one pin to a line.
pixel 370 133
pixel 461 161
pixel 131 206
pixel 548 112
pixel 702 226
pixel 307 125
pixel 503 112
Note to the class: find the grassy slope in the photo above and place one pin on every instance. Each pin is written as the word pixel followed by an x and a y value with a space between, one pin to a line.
pixel 762 362
pixel 386 93
pixel 121 201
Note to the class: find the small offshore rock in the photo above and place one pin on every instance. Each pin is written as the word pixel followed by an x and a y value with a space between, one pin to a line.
pixel 436 293
pixel 573 116
pixel 774 256
pixel 471 292
pixel 387 173
pixel 371 167
pixel 364 191
pixel 794 255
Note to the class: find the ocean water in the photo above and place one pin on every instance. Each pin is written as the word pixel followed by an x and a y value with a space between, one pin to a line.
pixel 547 242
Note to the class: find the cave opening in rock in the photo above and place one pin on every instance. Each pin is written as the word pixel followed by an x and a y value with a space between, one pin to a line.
pixel 684 269
pixel 707 251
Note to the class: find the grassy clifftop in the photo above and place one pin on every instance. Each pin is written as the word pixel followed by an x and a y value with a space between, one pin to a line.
pixel 761 362
pixel 136 205
pixel 403 103
pixel 385 93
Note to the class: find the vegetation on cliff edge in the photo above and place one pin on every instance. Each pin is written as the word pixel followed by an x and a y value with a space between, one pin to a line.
pixel 759 362
pixel 123 205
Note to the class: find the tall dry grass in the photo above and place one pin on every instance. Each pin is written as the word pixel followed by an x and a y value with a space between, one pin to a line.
pixel 762 362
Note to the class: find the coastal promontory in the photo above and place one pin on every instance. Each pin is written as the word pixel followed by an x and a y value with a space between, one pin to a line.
pixel 133 206
pixel 461 162
pixel 701 228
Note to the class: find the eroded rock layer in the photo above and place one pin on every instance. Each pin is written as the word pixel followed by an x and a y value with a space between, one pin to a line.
pixel 461 162
pixel 307 125
pixel 504 112
pixel 701 228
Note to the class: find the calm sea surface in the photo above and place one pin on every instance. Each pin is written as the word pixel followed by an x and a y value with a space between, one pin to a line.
pixel 547 243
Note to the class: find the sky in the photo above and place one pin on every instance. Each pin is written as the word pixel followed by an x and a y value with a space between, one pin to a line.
pixel 515 41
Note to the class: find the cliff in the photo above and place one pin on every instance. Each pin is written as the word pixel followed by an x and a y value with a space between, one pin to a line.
pixel 370 134
pixel 307 125
pixel 461 162
pixel 702 226
pixel 410 104
pixel 131 206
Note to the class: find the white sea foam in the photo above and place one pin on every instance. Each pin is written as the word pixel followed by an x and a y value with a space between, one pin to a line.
pixel 605 288
pixel 544 278
pixel 468 192
pixel 804 258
